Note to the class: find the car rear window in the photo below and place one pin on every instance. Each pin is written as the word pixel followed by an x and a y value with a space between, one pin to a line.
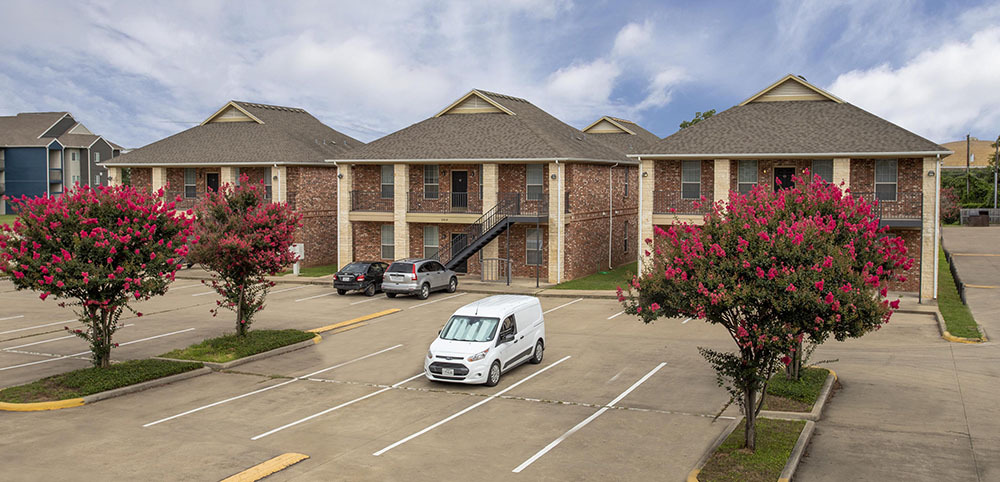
pixel 400 268
pixel 355 268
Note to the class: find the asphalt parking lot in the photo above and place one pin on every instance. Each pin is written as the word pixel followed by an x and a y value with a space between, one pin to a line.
pixel 613 399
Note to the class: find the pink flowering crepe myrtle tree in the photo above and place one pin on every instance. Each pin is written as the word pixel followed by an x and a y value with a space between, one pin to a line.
pixel 101 247
pixel 241 240
pixel 772 268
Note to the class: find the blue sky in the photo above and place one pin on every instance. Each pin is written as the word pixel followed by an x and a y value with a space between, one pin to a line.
pixel 138 71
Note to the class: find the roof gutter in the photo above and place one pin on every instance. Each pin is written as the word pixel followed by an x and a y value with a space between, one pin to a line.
pixel 486 160
pixel 792 155
pixel 205 164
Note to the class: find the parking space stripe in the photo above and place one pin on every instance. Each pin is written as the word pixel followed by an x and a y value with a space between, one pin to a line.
pixel 435 301
pixel 589 419
pixel 616 315
pixel 288 289
pixel 185 287
pixel 36 326
pixel 50 340
pixel 303 377
pixel 317 296
pixel 11 317
pixel 468 409
pixel 364 301
pixel 204 294
pixel 338 407
pixel 687 320
pixel 88 351
pixel 562 306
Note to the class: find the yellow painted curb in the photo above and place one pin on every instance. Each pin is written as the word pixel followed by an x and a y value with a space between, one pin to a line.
pixel 957 339
pixel 693 475
pixel 782 480
pixel 37 406
pixel 355 320
pixel 269 467
pixel 985 287
pixel 317 339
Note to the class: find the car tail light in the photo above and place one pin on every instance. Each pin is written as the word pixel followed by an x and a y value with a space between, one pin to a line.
pixel 413 275
pixel 361 277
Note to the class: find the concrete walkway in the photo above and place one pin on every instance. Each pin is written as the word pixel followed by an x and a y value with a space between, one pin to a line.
pixel 976 253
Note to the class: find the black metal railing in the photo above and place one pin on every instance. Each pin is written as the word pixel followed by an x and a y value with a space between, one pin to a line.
pixel 905 205
pixel 370 201
pixel 508 204
pixel 495 270
pixel 674 202
pixel 444 202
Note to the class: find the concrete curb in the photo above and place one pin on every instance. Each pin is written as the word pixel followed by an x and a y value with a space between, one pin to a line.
pixel 693 475
pixel 247 359
pixel 817 411
pixel 117 392
pixel 958 339
pixel 797 452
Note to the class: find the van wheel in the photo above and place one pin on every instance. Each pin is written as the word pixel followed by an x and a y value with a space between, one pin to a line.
pixel 494 376
pixel 390 295
pixel 341 292
pixel 453 285
pixel 370 290
pixel 425 291
pixel 539 352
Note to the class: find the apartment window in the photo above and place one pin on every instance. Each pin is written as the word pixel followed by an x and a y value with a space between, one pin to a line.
pixel 480 182
pixel 190 183
pixel 431 241
pixel 236 175
pixel 97 157
pixel 431 182
pixel 626 181
pixel 74 156
pixel 267 183
pixel 388 242
pixel 535 178
pixel 387 182
pixel 823 168
pixel 746 176
pixel 886 176
pixel 625 238
pixel 533 247
pixel 690 179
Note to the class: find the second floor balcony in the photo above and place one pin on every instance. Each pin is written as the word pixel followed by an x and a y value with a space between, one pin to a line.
pixel 444 202
pixel 675 202
pixel 371 201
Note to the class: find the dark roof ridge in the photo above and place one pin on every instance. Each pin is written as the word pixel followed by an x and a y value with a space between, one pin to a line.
pixel 270 106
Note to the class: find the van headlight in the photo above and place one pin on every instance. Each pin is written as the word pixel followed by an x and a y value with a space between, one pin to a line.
pixel 430 355
pixel 479 356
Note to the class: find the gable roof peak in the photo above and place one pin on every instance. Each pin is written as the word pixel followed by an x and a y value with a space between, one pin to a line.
pixel 480 102
pixel 615 122
pixel 792 87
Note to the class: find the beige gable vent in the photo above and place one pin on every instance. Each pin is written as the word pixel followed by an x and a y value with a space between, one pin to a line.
pixel 80 129
pixel 231 112
pixel 605 126
pixel 474 103
pixel 792 87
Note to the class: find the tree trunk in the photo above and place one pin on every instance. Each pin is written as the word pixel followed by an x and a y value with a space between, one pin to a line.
pixel 101 344
pixel 794 369
pixel 750 418
pixel 241 326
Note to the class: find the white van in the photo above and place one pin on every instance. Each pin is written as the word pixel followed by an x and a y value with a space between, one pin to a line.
pixel 484 339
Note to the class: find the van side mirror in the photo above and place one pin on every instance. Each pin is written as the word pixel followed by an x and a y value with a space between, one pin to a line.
pixel 507 338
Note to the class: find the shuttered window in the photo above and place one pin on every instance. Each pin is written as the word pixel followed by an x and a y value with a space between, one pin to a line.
pixel 691 179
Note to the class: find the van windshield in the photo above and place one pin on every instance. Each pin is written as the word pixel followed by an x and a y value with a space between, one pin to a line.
pixel 470 328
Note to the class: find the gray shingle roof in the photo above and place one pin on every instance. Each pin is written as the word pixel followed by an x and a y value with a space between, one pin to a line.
pixel 793 127
pixel 77 140
pixel 287 135
pixel 629 143
pixel 24 128
pixel 529 134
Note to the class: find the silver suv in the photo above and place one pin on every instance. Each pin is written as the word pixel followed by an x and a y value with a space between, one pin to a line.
pixel 418 276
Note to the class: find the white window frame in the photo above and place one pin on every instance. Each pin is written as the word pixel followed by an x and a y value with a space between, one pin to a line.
pixel 391 185
pixel 390 248
pixel 741 181
pixel 527 247
pixel 528 185
pixel 697 182
pixel 894 183
pixel 434 186
pixel 268 179
pixel 97 157
pixel 193 185
pixel 435 238
pixel 813 170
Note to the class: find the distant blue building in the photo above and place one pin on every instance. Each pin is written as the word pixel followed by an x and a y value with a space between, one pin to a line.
pixel 44 152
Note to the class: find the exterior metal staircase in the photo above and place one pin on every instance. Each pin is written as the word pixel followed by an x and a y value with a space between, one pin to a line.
pixel 509 210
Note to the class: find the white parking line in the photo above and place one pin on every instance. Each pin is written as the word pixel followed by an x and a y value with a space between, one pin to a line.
pixel 587 420
pixel 88 351
pixel 435 301
pixel 491 397
pixel 185 287
pixel 37 326
pixel 317 296
pixel 687 320
pixel 364 301
pixel 616 315
pixel 303 377
pixel 288 289
pixel 11 317
pixel 205 293
pixel 338 407
pixel 562 306
pixel 50 339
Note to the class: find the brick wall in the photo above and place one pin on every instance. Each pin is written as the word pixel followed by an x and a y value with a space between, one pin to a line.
pixel 443 203
pixel 587 238
pixel 175 184
pixel 765 170
pixel 668 179
pixel 366 177
pixel 513 179
pixel 312 192
pixel 909 175
pixel 142 178
pixel 368 242
pixel 518 251
pixel 444 238
pixel 911 237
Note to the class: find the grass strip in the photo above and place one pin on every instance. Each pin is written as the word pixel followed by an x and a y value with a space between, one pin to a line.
pixel 7 218
pixel 88 381
pixel 232 347
pixel 775 441
pixel 609 280
pixel 795 396
pixel 313 271
pixel 957 316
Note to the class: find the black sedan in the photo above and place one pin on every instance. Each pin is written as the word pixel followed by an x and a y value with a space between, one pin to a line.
pixel 365 276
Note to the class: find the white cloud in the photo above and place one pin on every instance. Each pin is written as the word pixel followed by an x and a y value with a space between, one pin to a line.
pixel 633 39
pixel 940 93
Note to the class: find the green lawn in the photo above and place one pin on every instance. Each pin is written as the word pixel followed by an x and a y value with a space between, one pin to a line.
pixel 230 347
pixel 7 218
pixel 605 280
pixel 795 396
pixel 88 381
pixel 313 271
pixel 775 441
pixel 957 317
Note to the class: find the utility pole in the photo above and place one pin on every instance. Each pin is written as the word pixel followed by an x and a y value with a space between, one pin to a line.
pixel 968 155
pixel 996 166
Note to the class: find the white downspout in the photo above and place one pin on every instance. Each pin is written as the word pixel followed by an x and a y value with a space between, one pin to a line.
pixel 559 227
pixel 639 239
pixel 937 221
pixel 339 193
pixel 611 211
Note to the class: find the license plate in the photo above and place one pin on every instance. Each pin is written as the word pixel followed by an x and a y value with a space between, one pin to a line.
pixel 448 372
pixel 345 278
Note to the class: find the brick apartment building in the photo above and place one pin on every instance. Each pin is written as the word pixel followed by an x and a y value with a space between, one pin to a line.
pixel 283 147
pixel 487 175
pixel 782 130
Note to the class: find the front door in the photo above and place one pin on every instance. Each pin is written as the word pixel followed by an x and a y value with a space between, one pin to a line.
pixel 458 243
pixel 459 190
pixel 212 181
pixel 783 178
